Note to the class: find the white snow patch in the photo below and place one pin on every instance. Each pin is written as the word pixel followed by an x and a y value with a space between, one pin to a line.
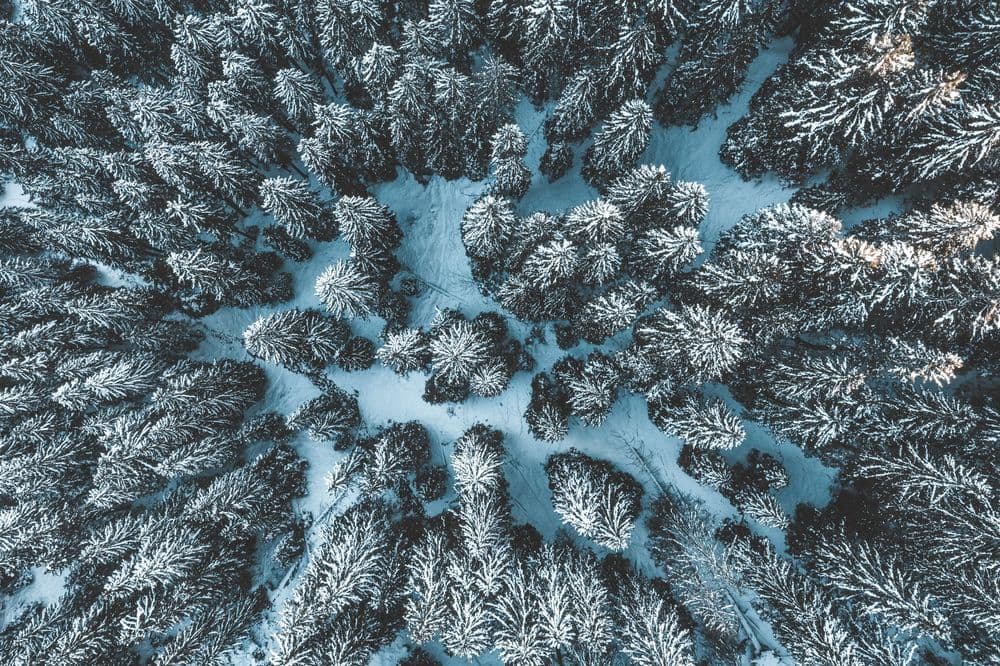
pixel 45 588
pixel 12 195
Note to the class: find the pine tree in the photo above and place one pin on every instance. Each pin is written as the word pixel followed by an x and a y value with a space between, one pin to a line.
pixel 707 466
pixel 956 140
pixel 576 109
pixel 204 272
pixel 601 264
pixel 366 224
pixel 702 570
pixel 404 351
pixel 613 311
pixel 596 221
pixel 556 161
pixel 687 203
pixel 487 227
pixel 443 138
pixel 357 354
pixel 548 413
pixel 804 618
pixel 650 632
pixel 552 263
pixel 127 376
pixel 213 634
pixel 621 141
pixel 453 26
pixel 377 68
pixel 391 457
pixel 642 192
pixel 544 38
pixel 661 253
pixel 511 177
pixel 943 230
pixel 880 587
pixel 230 174
pixel 328 615
pixel 467 635
pixel 763 508
pixel 695 341
pixel 296 208
pixel 477 461
pixel 427 589
pixel 591 387
pixel 457 350
pixel 327 417
pixel 635 55
pixel 594 498
pixel 697 422
pixel 347 292
pixel 298 93
pixel 287 246
pixel 296 339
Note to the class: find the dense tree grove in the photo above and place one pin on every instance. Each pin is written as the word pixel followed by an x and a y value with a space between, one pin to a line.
pixel 134 471
pixel 464 356
pixel 469 577
pixel 598 265
pixel 216 281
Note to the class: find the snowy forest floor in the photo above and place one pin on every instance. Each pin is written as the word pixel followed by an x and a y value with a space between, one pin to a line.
pixel 432 250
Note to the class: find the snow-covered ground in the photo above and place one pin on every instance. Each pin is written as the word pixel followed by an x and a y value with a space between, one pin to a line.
pixel 12 195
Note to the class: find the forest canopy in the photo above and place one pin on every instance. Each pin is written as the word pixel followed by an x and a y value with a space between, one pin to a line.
pixel 337 333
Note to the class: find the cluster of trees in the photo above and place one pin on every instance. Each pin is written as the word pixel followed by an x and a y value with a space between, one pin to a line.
pixel 751 487
pixel 464 356
pixel 728 580
pixel 717 41
pixel 128 468
pixel 597 266
pixel 180 580
pixel 146 135
pixel 469 576
pixel 586 389
pixel 887 94
pixel 359 286
pixel 871 349
pixel 722 40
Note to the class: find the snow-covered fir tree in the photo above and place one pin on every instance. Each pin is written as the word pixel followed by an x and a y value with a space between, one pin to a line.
pixel 697 422
pixel 298 339
pixel 623 137
pixel 598 501
pixel 511 177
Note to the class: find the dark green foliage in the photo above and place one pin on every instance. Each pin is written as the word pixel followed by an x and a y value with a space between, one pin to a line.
pixel 331 416
pixel 431 483
pixel 419 657
pixel 357 354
